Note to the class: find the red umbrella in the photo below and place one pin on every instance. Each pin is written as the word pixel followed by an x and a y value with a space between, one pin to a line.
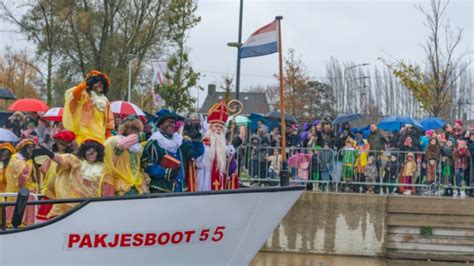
pixel 28 105
pixel 124 108
pixel 54 114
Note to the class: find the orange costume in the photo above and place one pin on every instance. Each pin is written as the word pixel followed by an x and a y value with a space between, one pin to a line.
pixel 88 114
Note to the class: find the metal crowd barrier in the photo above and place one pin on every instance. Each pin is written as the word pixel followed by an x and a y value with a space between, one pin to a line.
pixel 346 170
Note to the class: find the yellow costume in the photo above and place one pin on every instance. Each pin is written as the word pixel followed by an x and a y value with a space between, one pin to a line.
pixel 3 178
pixel 49 179
pixel 19 173
pixel 88 115
pixel 122 168
pixel 75 178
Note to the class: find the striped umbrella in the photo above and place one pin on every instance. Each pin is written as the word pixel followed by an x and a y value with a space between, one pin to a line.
pixel 54 114
pixel 124 108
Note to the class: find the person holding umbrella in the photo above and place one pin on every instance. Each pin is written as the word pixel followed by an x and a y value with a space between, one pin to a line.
pixel 87 110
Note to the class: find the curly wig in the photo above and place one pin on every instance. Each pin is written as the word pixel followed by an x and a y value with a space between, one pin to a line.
pixel 93 80
pixel 130 124
pixel 91 144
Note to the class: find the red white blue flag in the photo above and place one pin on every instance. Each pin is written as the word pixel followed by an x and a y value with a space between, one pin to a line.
pixel 262 42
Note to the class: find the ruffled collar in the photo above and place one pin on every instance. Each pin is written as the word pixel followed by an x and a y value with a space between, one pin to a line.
pixel 171 145
pixel 99 100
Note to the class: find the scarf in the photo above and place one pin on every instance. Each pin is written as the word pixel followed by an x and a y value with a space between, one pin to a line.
pixel 170 144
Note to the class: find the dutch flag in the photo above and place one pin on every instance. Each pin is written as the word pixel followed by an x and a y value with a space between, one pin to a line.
pixel 262 42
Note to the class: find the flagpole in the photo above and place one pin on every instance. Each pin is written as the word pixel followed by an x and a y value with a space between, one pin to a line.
pixel 284 181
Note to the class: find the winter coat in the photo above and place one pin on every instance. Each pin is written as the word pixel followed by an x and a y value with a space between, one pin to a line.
pixel 376 140
pixel 432 152
pixel 409 169
pixel 326 159
pixel 461 158
pixel 392 168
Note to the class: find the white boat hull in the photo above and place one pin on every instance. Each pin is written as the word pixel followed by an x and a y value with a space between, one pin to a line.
pixel 225 228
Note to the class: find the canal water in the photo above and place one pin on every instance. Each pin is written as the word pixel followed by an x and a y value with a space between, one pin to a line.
pixel 276 259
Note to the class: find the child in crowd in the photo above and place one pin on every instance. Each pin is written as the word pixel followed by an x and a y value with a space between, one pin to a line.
pixel 349 155
pixel 391 169
pixel 447 162
pixel 275 164
pixel 303 169
pixel 371 173
pixel 408 173
pixel 432 156
pixel 461 161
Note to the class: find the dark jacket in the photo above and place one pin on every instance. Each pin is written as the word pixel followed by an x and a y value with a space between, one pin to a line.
pixel 376 141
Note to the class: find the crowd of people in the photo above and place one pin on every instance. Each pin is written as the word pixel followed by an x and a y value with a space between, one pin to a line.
pixel 406 161
pixel 93 153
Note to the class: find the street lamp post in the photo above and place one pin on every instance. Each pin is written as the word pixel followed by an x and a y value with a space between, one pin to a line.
pixel 130 57
pixel 345 84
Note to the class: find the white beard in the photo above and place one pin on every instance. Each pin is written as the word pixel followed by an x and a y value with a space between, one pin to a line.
pixel 217 150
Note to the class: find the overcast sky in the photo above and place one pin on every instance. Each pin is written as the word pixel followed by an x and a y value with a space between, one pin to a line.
pixel 360 31
pixel 351 30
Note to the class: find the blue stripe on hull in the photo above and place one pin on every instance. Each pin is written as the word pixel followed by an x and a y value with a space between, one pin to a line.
pixel 258 50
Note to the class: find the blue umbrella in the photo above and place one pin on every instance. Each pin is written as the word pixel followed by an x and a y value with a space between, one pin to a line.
pixel 341 119
pixel 396 122
pixel 432 123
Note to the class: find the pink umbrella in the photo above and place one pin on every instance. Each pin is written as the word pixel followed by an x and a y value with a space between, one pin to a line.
pixel 54 114
pixel 124 108
pixel 298 158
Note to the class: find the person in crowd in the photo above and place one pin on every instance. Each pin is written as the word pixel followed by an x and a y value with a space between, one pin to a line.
pixel 44 134
pixel 343 135
pixel 432 156
pixel 77 176
pixel 458 130
pixel 293 139
pixel 470 141
pixel 312 140
pixel 349 155
pixel 6 151
pixel 447 162
pixel 361 163
pixel 16 123
pixel 391 170
pixel 447 132
pixel 258 153
pixel 412 133
pixel 261 125
pixel 425 140
pixel 326 155
pixel 408 174
pixel 303 168
pixel 275 137
pixel 123 175
pixel 461 161
pixel 62 144
pixel 327 134
pixel 34 118
pixel 376 139
pixel 87 110
pixel 167 155
pixel 314 171
pixel 371 173
pixel 22 173
pixel 29 131
pixel 275 164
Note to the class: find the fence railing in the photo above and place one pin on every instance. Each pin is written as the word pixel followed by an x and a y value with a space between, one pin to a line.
pixel 358 170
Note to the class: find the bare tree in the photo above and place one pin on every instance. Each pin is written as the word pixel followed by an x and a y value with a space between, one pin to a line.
pixel 433 87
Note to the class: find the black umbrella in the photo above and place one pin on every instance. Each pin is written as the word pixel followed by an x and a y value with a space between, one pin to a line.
pixel 276 116
pixel 6 94
pixel 341 119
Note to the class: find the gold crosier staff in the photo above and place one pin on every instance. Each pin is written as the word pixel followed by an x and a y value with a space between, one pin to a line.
pixel 235 108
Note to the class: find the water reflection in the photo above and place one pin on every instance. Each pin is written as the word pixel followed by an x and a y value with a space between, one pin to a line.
pixel 273 258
